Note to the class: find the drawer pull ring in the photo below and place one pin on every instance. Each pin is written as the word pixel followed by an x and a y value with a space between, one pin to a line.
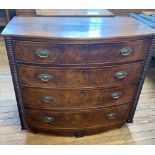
pixel 111 116
pixel 121 74
pixel 45 77
pixel 125 51
pixel 47 99
pixel 48 119
pixel 42 53
pixel 116 95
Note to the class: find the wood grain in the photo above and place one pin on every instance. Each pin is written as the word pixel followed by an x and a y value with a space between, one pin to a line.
pixel 77 99
pixel 78 77
pixel 80 54
pixel 79 120
pixel 77 28
pixel 142 131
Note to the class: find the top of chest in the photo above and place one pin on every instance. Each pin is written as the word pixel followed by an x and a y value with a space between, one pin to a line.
pixel 76 28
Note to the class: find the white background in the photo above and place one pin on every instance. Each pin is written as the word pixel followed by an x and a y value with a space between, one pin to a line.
pixel 77 4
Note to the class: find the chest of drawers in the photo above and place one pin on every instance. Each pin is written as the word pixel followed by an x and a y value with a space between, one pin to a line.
pixel 77 76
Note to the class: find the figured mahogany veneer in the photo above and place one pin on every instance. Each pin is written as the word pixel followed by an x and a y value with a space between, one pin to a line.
pixel 77 76
pixel 77 54
pixel 80 77
pixel 77 120
pixel 77 98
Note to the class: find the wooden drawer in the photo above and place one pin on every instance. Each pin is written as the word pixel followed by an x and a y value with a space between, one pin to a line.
pixel 46 119
pixel 80 77
pixel 77 98
pixel 42 52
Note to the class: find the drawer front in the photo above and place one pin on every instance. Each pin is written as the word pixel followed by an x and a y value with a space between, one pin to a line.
pixel 73 98
pixel 78 119
pixel 38 52
pixel 86 77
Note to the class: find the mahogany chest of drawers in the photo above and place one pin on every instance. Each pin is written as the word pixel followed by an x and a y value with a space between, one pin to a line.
pixel 77 76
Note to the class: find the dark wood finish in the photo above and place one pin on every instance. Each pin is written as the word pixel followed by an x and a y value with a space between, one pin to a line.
pixel 74 12
pixel 141 82
pixel 77 132
pixel 64 99
pixel 82 77
pixel 148 20
pixel 78 120
pixel 77 28
pixel 13 67
pixel 26 51
pixel 80 41
pixel 78 81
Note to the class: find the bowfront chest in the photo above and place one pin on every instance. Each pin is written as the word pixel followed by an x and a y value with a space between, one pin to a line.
pixel 77 76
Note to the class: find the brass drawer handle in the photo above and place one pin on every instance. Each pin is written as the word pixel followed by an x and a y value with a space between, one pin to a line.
pixel 126 51
pixel 121 74
pixel 45 77
pixel 48 119
pixel 111 116
pixel 116 95
pixel 47 99
pixel 42 53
